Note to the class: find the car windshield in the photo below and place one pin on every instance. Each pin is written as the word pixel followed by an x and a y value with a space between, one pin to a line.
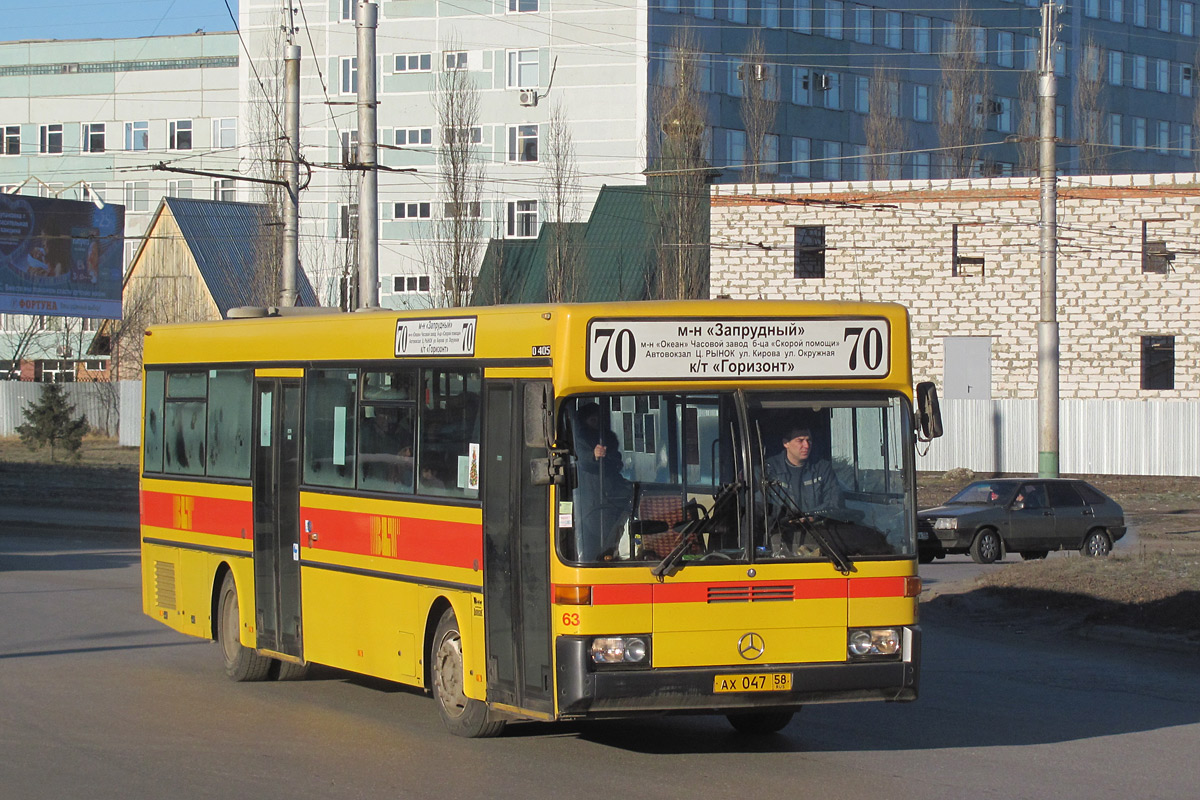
pixel 983 493
pixel 709 478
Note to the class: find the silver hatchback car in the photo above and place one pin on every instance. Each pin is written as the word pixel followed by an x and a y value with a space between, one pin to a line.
pixel 1030 516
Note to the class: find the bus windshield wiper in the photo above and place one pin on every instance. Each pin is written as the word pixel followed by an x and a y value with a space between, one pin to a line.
pixel 806 523
pixel 673 562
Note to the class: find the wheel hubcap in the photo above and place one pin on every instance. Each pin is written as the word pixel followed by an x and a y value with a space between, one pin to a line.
pixel 449 681
pixel 229 628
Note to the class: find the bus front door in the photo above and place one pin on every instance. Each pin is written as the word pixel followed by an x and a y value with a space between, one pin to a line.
pixel 516 572
pixel 276 515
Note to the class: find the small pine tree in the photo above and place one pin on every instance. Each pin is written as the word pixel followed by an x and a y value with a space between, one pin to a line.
pixel 49 422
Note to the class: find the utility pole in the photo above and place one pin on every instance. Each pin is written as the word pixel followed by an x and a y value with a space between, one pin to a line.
pixel 1048 321
pixel 291 119
pixel 366 19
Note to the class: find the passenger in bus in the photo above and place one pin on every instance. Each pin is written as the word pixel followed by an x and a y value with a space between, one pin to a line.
pixel 602 497
pixel 385 451
pixel 803 487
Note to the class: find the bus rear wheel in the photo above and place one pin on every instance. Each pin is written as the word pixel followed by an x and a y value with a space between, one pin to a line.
pixel 760 723
pixel 462 715
pixel 241 663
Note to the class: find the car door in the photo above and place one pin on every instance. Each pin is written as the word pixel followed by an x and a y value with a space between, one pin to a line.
pixel 1032 520
pixel 1074 518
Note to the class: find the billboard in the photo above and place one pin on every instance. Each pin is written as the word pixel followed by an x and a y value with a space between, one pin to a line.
pixel 60 258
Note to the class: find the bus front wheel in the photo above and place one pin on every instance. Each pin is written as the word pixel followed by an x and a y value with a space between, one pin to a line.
pixel 463 715
pixel 760 723
pixel 241 663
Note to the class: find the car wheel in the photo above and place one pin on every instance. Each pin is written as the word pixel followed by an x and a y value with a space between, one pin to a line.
pixel 1097 543
pixel 1033 555
pixel 464 716
pixel 760 723
pixel 241 663
pixel 924 557
pixel 986 547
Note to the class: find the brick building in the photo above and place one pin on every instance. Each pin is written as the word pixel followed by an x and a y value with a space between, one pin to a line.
pixel 964 257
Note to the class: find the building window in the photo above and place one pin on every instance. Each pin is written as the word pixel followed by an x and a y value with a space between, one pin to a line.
pixel 921 166
pixel 1185 80
pixel 1139 133
pixel 770 14
pixel 1091 8
pixel 413 137
pixel 180 134
pixel 522 219
pixel 474 135
pixel 809 251
pixel 1116 68
pixel 735 148
pixel 862 24
pixel 348 9
pixel 1162 75
pixel 833 19
pixel 348 221
pixel 349 75
pixel 471 209
pixel 1158 362
pixel 1114 130
pixel 523 143
pixel 1162 139
pixel 862 94
pixel 455 60
pixel 1116 10
pixel 92 138
pixel 523 69
pixel 922 35
pixel 93 190
pixel 1185 18
pixel 706 9
pixel 801 16
pixel 11 146
pixel 410 284
pixel 137 135
pixel 349 152
pixel 410 210
pixel 50 139
pixel 893 30
pixel 1139 72
pixel 1185 140
pixel 137 196
pixel 801 87
pixel 1140 12
pixel 963 266
pixel 224 133
pixel 1004 48
pixel 415 62
pixel 831 85
pixel 179 188
pixel 737 11
pixel 801 155
pixel 833 161
pixel 1156 257
pixel 920 103
pixel 224 189
pixel 522 6
pixel 1164 15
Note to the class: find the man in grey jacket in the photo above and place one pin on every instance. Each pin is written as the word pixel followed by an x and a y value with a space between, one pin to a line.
pixel 810 484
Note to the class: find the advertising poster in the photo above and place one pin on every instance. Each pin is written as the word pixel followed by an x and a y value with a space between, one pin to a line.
pixel 60 258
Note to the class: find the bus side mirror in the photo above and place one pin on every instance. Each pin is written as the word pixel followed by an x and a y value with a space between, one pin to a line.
pixel 928 412
pixel 547 471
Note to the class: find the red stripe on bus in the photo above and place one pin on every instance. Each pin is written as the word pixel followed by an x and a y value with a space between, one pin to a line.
pixel 425 541
pixel 216 516
pixel 813 589
pixel 618 594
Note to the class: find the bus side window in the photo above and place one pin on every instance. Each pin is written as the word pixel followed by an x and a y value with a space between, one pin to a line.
pixel 184 423
pixel 329 429
pixel 449 433
pixel 152 436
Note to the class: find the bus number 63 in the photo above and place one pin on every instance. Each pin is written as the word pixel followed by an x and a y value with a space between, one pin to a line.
pixel 622 346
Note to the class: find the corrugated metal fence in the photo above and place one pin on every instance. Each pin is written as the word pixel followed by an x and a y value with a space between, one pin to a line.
pixel 1096 437
pixel 107 405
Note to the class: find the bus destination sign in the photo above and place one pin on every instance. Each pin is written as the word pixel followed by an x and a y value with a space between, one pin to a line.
pixel 436 336
pixel 719 349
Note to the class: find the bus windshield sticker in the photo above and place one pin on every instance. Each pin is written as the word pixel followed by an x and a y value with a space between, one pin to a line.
pixel 719 349
pixel 440 336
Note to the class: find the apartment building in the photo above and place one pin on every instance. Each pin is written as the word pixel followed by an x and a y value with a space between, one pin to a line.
pixel 90 120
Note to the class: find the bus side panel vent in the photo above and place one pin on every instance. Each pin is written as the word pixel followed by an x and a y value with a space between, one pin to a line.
pixel 750 594
pixel 164 585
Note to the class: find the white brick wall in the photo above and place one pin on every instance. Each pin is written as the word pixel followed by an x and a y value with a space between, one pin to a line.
pixel 891 240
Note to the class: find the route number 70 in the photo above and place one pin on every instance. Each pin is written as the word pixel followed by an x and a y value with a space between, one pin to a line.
pixel 868 345
pixel 619 344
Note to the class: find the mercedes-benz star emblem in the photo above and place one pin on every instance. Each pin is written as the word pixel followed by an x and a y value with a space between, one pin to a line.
pixel 751 646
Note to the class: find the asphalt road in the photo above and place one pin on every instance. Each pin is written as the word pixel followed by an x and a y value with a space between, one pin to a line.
pixel 99 701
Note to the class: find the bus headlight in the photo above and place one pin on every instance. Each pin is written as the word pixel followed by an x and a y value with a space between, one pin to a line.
pixel 627 650
pixel 945 524
pixel 873 643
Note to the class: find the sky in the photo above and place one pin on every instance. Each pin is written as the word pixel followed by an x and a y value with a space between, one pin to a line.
pixel 112 19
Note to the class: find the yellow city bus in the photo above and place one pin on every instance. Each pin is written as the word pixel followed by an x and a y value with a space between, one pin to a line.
pixel 545 512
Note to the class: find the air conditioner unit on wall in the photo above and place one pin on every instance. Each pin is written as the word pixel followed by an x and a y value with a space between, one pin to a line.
pixel 528 97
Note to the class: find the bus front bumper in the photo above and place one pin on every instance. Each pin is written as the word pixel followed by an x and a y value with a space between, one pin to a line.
pixel 584 691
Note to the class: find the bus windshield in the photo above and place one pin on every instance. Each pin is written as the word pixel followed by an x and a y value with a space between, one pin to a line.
pixel 724 476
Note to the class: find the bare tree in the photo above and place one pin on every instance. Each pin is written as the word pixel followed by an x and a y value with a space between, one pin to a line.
pixel 884 127
pixel 1027 125
pixel 963 103
pixel 679 174
pixel 457 233
pixel 759 105
pixel 561 201
pixel 1090 110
